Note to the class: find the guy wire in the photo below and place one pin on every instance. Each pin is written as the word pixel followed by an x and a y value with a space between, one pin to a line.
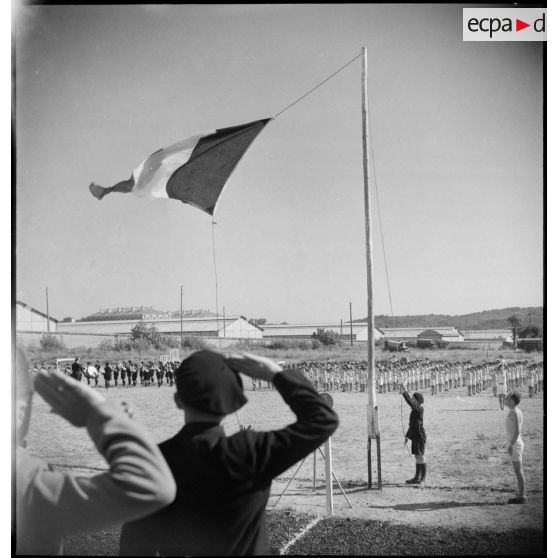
pixel 319 85
pixel 380 219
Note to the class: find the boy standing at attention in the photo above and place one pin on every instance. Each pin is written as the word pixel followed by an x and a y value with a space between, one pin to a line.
pixel 514 423
pixel 416 434
pixel 502 389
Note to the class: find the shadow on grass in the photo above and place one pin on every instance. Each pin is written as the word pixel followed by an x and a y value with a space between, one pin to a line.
pixel 320 490
pixel 433 506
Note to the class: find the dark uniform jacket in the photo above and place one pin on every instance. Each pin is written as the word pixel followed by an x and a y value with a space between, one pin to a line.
pixel 416 427
pixel 223 482
pixel 77 371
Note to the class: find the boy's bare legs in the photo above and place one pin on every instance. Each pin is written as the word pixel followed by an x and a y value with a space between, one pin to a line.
pixel 518 468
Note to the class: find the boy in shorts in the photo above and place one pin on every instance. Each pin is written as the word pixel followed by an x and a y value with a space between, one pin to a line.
pixel 514 423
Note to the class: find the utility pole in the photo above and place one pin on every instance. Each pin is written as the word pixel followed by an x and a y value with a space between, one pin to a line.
pixel 48 314
pixel 351 320
pixel 181 314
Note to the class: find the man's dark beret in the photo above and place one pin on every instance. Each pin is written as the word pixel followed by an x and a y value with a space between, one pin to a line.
pixel 205 382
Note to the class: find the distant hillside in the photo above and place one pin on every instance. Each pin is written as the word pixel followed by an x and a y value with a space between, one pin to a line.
pixel 487 319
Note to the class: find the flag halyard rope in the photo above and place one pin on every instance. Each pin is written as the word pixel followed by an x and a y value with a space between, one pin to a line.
pixel 213 223
pixel 317 86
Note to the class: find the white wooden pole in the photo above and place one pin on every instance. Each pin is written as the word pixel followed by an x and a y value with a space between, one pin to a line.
pixel 372 414
pixel 314 476
pixel 328 477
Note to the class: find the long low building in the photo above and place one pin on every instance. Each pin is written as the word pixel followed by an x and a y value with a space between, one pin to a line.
pixel 231 327
pixel 118 322
pixel 487 335
pixel 448 334
pixel 305 331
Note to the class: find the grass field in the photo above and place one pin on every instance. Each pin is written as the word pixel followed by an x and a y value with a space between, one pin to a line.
pixel 469 478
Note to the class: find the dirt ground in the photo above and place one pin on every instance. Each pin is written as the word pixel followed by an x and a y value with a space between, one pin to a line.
pixel 469 474
pixel 431 506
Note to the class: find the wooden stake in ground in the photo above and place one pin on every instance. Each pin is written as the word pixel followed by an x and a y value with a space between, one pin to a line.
pixel 328 479
pixel 314 476
pixel 372 414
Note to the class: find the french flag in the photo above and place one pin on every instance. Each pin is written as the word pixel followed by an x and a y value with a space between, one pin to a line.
pixel 194 170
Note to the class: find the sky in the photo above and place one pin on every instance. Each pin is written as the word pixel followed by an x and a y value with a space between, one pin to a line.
pixel 457 147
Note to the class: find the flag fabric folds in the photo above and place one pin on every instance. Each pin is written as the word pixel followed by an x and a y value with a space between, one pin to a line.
pixel 193 171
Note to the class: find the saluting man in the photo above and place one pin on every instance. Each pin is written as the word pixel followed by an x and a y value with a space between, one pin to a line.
pixel 223 482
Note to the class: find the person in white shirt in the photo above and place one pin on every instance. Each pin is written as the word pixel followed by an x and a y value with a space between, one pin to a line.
pixel 91 373
pixel 531 382
pixel 514 423
pixel 502 385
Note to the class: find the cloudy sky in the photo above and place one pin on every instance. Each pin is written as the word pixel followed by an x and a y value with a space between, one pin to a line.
pixel 457 134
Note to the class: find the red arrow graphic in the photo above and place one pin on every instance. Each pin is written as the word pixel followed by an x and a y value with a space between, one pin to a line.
pixel 519 25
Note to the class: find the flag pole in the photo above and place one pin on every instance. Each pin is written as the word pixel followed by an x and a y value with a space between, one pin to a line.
pixel 372 410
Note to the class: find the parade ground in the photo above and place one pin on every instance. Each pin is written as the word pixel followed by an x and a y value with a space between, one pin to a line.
pixel 469 476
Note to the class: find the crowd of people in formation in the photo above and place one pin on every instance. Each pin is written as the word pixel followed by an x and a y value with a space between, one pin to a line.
pixel 123 373
pixel 435 376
